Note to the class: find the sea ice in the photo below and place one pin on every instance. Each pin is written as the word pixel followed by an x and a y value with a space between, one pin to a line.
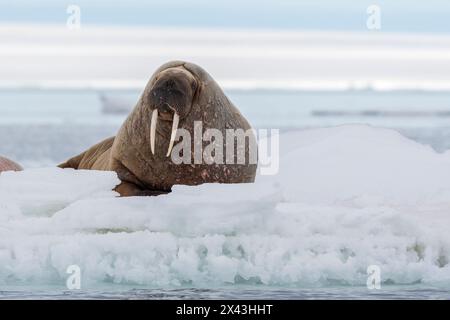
pixel 345 198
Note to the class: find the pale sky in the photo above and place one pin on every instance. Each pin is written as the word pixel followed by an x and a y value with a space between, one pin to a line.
pixel 397 15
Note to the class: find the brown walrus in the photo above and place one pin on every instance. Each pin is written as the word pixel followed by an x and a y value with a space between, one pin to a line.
pixel 9 165
pixel 177 94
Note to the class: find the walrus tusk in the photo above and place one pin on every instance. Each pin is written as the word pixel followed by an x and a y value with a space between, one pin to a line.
pixel 153 130
pixel 176 119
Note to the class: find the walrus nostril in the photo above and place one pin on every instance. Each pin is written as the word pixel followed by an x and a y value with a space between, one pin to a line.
pixel 169 84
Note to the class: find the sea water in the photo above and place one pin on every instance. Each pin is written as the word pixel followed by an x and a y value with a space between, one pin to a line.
pixel 46 127
pixel 43 128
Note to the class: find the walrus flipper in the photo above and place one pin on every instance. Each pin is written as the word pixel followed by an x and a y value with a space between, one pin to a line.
pixel 95 158
pixel 130 185
pixel 128 189
pixel 74 162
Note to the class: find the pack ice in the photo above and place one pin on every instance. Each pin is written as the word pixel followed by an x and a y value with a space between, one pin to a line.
pixel 345 198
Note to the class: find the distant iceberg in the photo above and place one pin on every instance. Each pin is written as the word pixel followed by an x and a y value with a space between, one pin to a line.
pixel 115 105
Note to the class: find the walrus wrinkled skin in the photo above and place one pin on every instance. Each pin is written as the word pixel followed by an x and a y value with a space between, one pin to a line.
pixel 9 165
pixel 181 93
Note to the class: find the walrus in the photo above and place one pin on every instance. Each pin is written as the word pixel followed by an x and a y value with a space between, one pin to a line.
pixel 9 165
pixel 177 95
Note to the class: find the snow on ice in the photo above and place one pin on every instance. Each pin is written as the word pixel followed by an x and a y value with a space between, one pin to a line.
pixel 345 198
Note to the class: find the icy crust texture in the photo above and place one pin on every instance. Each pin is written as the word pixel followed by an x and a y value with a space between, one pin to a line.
pixel 345 198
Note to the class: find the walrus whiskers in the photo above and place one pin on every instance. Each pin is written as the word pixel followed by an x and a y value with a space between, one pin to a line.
pixel 153 130
pixel 176 119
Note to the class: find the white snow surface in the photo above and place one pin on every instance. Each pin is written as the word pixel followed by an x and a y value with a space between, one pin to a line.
pixel 345 198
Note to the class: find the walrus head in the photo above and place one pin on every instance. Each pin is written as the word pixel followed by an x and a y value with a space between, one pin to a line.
pixel 178 95
pixel 171 98
pixel 173 92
